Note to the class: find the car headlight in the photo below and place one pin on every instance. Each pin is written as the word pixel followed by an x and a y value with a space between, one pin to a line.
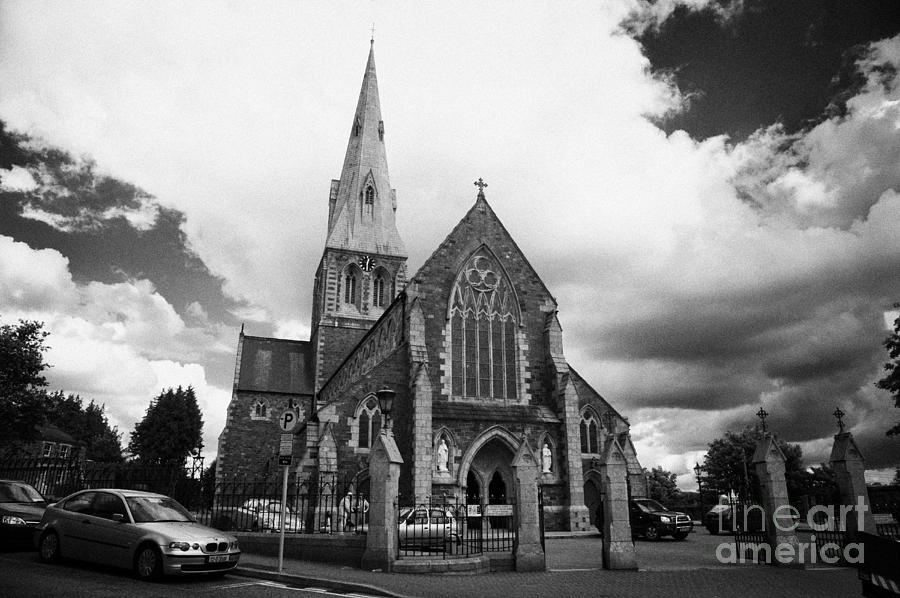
pixel 665 519
pixel 234 545
pixel 13 520
pixel 185 546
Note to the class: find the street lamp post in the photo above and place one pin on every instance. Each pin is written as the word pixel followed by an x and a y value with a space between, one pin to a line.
pixel 697 470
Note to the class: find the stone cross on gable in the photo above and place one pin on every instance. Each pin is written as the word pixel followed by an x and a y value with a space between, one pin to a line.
pixel 762 414
pixel 839 415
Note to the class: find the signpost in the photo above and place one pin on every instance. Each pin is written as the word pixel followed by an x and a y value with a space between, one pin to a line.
pixel 286 423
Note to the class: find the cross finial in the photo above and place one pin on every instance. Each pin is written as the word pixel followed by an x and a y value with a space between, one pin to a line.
pixel 839 415
pixel 372 40
pixel 762 414
pixel 481 185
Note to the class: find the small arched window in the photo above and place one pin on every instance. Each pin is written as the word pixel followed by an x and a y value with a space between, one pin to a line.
pixel 369 420
pixel 350 287
pixel 369 203
pixel 589 428
pixel 260 410
pixel 378 294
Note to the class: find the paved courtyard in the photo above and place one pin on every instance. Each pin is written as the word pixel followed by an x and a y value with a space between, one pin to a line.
pixel 668 568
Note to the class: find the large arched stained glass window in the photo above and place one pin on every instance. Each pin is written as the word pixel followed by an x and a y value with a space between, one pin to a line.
pixel 483 323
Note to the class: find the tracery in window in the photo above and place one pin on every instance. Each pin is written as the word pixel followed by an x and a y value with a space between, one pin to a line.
pixel 590 432
pixel 483 323
pixel 369 422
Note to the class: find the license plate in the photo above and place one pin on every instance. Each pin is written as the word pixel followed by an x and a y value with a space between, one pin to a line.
pixel 219 558
pixel 684 529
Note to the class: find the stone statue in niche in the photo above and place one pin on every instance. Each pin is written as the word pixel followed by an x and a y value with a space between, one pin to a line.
pixel 442 454
pixel 546 458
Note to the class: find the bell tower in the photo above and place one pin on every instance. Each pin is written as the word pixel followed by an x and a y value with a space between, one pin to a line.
pixel 363 266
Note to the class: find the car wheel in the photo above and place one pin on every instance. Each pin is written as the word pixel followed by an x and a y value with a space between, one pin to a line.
pixel 651 533
pixel 148 563
pixel 48 548
pixel 680 535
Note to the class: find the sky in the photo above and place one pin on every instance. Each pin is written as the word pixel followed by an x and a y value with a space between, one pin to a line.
pixel 711 190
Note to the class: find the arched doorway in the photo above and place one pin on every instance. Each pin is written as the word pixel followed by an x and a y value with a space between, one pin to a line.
pixel 473 489
pixel 592 500
pixel 497 490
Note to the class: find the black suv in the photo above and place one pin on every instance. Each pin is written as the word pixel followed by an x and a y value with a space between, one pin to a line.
pixel 652 520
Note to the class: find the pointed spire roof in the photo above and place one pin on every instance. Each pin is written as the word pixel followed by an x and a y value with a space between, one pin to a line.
pixel 355 224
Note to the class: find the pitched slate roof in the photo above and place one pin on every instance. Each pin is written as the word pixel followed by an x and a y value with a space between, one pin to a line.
pixel 275 365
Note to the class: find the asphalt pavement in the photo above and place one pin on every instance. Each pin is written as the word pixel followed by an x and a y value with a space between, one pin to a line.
pixel 574 568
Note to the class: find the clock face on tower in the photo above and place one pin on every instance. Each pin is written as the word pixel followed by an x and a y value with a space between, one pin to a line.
pixel 367 263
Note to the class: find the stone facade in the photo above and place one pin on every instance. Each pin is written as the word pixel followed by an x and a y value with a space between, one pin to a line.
pixel 470 343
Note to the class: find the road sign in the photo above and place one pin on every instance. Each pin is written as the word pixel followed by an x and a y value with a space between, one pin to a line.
pixel 286 446
pixel 284 459
pixel 288 420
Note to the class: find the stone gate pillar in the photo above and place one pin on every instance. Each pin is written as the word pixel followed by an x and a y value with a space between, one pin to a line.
pixel 618 546
pixel 384 487
pixel 777 520
pixel 849 473
pixel 529 552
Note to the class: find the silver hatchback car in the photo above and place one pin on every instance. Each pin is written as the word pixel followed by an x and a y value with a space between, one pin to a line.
pixel 151 534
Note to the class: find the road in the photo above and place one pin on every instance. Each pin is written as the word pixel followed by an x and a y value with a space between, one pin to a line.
pixel 23 576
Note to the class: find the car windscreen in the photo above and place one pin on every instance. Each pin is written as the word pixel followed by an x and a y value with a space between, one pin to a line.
pixel 19 492
pixel 648 504
pixel 147 509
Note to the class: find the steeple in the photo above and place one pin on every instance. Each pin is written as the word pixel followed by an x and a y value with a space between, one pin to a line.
pixel 362 203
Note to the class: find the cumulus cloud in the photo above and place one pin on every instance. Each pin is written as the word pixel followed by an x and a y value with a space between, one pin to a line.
pixel 113 343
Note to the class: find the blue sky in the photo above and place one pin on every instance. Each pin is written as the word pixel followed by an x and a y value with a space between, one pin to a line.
pixel 710 190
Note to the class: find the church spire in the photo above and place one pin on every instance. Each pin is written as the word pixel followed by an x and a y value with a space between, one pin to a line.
pixel 362 203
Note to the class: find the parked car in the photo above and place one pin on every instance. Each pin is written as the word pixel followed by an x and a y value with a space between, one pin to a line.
pixel 21 508
pixel 721 518
pixel 426 527
pixel 257 515
pixel 151 534
pixel 653 521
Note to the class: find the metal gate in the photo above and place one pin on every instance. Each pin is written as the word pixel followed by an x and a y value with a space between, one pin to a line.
pixel 448 528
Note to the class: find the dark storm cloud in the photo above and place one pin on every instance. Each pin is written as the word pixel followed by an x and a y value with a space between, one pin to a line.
pixel 773 61
pixel 109 230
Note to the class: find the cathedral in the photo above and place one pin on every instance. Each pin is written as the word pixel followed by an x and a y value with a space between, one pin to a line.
pixel 470 343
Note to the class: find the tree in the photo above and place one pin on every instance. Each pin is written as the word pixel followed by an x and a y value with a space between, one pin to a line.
pixel 171 430
pixel 891 381
pixel 22 398
pixel 87 424
pixel 662 485
pixel 729 464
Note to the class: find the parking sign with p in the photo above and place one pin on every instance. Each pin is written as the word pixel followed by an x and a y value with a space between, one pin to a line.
pixel 288 420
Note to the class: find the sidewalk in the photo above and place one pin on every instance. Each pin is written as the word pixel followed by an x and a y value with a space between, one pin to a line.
pixel 737 581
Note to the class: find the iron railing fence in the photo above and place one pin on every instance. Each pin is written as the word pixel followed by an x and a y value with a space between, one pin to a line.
pixel 56 478
pixel 323 505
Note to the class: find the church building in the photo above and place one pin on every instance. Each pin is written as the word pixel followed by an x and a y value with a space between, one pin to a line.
pixel 470 343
